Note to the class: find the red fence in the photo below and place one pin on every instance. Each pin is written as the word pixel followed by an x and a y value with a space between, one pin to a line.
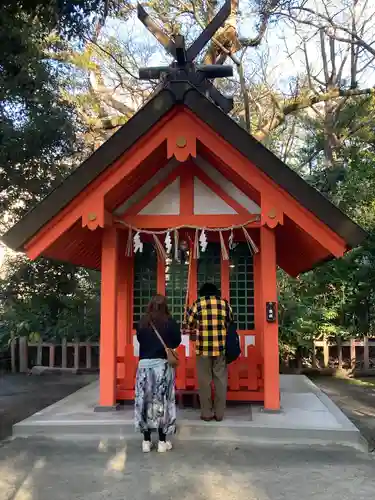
pixel 245 380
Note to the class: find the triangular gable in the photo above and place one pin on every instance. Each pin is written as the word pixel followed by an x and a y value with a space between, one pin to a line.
pixel 200 191
pixel 229 187
pixel 165 203
pixel 208 202
pixel 222 142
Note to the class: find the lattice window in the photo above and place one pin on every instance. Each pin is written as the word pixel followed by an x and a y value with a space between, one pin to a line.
pixel 145 280
pixel 176 275
pixel 241 285
pixel 209 266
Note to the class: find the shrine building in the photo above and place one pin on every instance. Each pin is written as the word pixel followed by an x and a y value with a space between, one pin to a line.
pixel 178 196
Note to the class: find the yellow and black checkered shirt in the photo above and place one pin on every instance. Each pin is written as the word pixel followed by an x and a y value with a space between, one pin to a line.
pixel 210 315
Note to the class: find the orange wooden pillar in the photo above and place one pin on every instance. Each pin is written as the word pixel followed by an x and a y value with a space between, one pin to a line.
pixel 267 259
pixel 123 307
pixel 258 310
pixel 108 319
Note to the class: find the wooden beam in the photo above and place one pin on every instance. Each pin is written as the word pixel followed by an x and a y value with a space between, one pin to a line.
pixel 187 190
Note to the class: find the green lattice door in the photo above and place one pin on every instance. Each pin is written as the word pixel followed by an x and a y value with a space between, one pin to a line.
pixel 209 266
pixel 145 280
pixel 176 276
pixel 241 286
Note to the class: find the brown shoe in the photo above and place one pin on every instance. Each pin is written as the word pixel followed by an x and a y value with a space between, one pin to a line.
pixel 207 419
pixel 218 419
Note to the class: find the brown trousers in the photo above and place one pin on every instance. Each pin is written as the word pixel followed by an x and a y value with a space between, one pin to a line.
pixel 212 369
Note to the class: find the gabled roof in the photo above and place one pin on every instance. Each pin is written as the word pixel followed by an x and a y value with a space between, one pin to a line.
pixel 159 105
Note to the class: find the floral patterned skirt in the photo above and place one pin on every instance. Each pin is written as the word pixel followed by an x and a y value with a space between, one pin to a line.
pixel 155 405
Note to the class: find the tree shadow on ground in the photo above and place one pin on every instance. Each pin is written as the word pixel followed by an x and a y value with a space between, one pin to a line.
pixel 45 469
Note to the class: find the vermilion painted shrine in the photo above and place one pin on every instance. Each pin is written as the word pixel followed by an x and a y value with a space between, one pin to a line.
pixel 181 162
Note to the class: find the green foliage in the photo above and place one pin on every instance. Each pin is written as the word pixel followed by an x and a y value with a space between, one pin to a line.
pixel 48 299
pixel 69 17
pixel 36 125
pixel 337 299
pixel 37 140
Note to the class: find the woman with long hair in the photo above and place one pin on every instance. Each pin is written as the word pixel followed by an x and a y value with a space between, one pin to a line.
pixel 155 406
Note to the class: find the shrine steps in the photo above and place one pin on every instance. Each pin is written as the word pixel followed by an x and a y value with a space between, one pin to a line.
pixel 308 417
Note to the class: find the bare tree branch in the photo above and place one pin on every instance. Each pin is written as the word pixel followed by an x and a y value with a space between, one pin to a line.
pixel 303 102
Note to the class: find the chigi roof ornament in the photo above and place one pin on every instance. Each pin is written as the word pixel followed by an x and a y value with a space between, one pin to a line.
pixel 183 67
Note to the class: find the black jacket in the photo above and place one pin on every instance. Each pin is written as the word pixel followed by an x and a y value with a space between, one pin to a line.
pixel 150 346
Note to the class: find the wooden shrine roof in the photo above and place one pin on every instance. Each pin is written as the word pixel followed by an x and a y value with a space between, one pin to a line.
pixel 181 93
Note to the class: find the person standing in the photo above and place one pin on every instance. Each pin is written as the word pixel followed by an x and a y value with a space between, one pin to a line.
pixel 210 315
pixel 155 406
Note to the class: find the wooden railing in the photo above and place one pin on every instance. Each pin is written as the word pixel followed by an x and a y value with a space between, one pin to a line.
pixel 359 352
pixel 245 379
pixel 26 354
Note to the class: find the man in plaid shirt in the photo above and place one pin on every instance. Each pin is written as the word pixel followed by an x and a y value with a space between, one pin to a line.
pixel 210 315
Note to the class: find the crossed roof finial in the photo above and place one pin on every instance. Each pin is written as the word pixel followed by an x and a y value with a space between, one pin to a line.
pixel 183 67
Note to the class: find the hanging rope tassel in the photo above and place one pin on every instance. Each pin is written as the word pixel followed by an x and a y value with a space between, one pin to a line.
pixel 203 241
pixel 224 251
pixel 137 242
pixel 159 248
pixel 176 256
pixel 129 244
pixel 196 245
pixel 188 289
pixel 168 243
pixel 252 246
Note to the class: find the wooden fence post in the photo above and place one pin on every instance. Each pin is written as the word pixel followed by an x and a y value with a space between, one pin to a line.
pixel 13 345
pixel 64 353
pixel 52 356
pixel 339 351
pixel 39 353
pixel 88 356
pixel 76 355
pixel 325 353
pixel 24 355
pixel 366 356
pixel 313 360
pixel 352 354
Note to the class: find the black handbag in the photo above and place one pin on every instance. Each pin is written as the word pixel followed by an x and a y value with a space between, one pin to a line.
pixel 232 344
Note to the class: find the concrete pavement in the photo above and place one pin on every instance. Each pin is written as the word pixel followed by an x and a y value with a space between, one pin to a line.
pixel 62 470
pixel 307 417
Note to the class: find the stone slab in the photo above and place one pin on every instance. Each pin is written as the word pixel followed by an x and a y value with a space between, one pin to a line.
pixel 307 417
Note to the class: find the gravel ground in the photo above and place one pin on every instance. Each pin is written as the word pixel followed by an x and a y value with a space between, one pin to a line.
pixel 22 395
pixel 60 470
pixel 356 401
